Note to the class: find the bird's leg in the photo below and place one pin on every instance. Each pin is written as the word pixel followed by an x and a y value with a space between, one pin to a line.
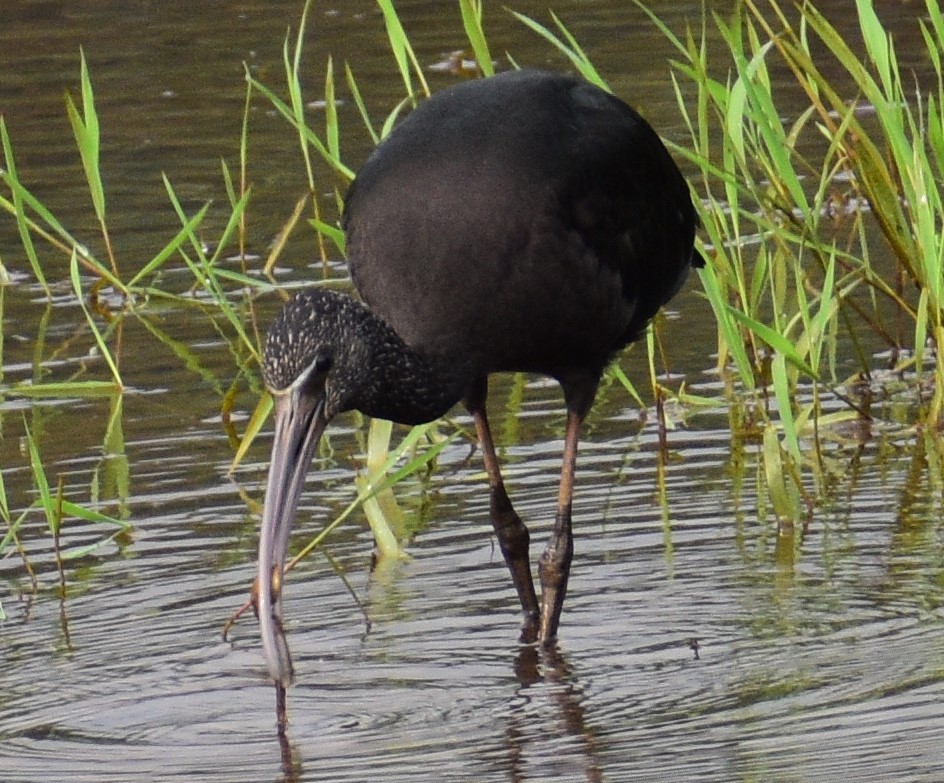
pixel 513 536
pixel 554 565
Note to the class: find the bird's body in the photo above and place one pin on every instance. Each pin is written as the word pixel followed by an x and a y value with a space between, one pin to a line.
pixel 526 222
pixel 543 247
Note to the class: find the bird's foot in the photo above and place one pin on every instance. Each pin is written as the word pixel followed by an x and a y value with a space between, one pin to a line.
pixel 530 625
pixel 554 571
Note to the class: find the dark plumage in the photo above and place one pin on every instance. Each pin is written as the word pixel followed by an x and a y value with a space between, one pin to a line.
pixel 526 222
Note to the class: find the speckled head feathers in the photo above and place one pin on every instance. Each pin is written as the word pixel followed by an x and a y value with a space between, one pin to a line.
pixel 314 322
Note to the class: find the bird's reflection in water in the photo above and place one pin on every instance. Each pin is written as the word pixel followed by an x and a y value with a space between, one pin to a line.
pixel 548 684
pixel 291 762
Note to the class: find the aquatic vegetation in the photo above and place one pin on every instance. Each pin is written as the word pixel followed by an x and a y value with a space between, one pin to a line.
pixel 790 204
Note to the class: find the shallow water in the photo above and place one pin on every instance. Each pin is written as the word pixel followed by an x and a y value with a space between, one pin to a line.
pixel 698 641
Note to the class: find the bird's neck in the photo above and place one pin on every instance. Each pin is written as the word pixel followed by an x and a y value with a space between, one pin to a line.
pixel 403 384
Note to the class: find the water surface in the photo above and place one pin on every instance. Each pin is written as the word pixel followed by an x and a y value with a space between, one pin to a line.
pixel 699 642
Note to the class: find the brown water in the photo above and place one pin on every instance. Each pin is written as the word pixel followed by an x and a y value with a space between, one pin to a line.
pixel 820 657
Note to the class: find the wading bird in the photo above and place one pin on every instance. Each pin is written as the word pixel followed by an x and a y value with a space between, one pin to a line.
pixel 525 222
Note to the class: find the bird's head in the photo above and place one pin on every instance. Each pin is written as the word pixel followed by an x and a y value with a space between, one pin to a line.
pixel 306 350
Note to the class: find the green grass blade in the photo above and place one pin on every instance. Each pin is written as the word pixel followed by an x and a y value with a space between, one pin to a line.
pixel 46 500
pixel 188 231
pixel 96 332
pixel 22 226
pixel 85 127
pixel 309 135
pixel 733 341
pixel 281 239
pixel 333 233
pixel 332 126
pixel 87 136
pixel 779 342
pixel 4 506
pixel 293 65
pixel 422 459
pixel 90 515
pixel 69 389
pixel 60 238
pixel 245 281
pixel 784 501
pixel 784 395
pixel 663 28
pixel 403 105
pixel 402 49
pixel 472 21
pixel 13 526
pixel 412 437
pixel 381 509
pixel 232 226
pixel 877 43
pixel 828 306
pixel 359 102
pixel 256 421
pixel 569 49
pixel 195 241
pixel 617 372
pixel 584 64
pixel 399 43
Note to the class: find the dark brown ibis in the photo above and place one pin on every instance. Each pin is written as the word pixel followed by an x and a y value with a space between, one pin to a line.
pixel 525 222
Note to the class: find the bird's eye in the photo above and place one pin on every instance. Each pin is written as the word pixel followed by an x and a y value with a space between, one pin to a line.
pixel 321 364
pixel 314 375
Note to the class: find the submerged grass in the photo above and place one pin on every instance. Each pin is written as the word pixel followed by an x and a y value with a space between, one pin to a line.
pixel 786 202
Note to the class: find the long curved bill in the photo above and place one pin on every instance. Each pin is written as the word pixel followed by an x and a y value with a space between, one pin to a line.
pixel 299 423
